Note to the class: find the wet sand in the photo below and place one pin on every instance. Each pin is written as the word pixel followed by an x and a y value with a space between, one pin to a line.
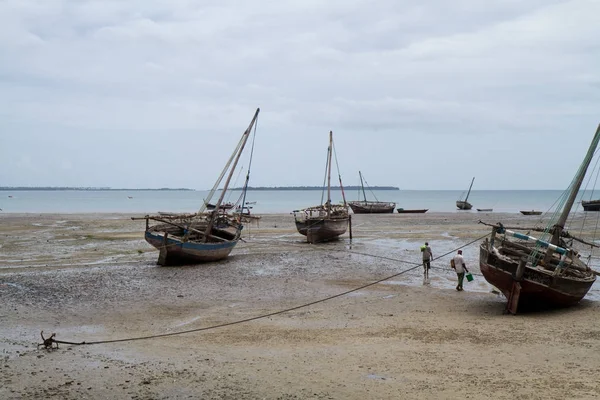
pixel 93 278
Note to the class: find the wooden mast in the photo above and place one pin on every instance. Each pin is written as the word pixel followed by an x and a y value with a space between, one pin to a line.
pixel 231 171
pixel 362 186
pixel 560 224
pixel 329 173
pixel 469 192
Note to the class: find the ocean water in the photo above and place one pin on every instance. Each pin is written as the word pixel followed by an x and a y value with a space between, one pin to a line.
pixel 266 202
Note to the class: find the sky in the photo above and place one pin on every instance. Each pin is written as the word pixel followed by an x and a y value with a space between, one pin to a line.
pixel 419 94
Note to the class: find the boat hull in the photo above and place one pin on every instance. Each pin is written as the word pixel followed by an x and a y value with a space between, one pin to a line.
pixel 593 205
pixel 532 212
pixel 415 211
pixel 371 207
pixel 485 209
pixel 177 252
pixel 539 289
pixel 463 205
pixel 319 230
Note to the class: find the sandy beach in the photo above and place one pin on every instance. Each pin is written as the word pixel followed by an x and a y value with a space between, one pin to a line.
pixel 92 278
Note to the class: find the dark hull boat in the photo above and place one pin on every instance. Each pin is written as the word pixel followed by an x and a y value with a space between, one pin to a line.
pixel 539 288
pixel 319 229
pixel 539 272
pixel 206 235
pixel 464 204
pixel 532 212
pixel 225 206
pixel 371 207
pixel 175 251
pixel 325 222
pixel 592 205
pixel 412 211
pixel 485 209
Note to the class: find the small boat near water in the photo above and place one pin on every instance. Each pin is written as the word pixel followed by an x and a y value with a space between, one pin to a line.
pixel 370 207
pixel 224 206
pixel 532 212
pixel 412 211
pixel 591 205
pixel 485 209
pixel 464 204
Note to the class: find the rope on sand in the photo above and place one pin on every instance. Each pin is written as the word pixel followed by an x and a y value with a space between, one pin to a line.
pixel 415 266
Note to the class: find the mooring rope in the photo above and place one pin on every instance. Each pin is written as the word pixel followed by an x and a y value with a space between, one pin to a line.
pixel 161 335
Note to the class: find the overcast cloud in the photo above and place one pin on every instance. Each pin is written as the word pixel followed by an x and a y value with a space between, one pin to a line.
pixel 419 94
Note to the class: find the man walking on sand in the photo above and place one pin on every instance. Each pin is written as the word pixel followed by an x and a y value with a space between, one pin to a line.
pixel 460 268
pixel 427 257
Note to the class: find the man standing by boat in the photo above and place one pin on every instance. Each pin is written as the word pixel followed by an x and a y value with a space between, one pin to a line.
pixel 460 267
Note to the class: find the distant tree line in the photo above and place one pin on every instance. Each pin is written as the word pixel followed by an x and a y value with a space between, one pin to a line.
pixel 315 188
pixel 74 188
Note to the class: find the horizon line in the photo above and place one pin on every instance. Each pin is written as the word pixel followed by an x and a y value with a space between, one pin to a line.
pixel 254 188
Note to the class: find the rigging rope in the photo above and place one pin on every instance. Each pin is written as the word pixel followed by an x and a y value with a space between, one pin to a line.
pixel 416 265
pixel 337 166
pixel 325 177
pixel 245 190
pixel 370 190
pixel 596 172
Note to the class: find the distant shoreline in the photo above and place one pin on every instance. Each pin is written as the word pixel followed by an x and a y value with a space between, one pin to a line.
pixel 59 188
pixel 258 188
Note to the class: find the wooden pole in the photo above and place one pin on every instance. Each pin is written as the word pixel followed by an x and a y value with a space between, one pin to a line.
pixel 469 192
pixel 520 269
pixel 513 300
pixel 329 174
pixel 362 186
pixel 350 225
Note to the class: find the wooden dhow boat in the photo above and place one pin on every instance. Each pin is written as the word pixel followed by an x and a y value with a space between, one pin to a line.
pixel 206 235
pixel 370 207
pixel 545 271
pixel 464 204
pixel 327 221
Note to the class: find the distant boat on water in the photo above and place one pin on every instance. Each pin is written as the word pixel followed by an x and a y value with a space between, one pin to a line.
pixel 370 207
pixel 485 209
pixel 412 211
pixel 591 205
pixel 224 206
pixel 532 212
pixel 464 204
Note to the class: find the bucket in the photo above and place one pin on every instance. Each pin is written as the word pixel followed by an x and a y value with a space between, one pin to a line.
pixel 469 277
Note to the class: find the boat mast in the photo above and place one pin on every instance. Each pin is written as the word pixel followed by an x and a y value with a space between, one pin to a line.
pixel 245 136
pixel 329 173
pixel 469 192
pixel 560 225
pixel 362 186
